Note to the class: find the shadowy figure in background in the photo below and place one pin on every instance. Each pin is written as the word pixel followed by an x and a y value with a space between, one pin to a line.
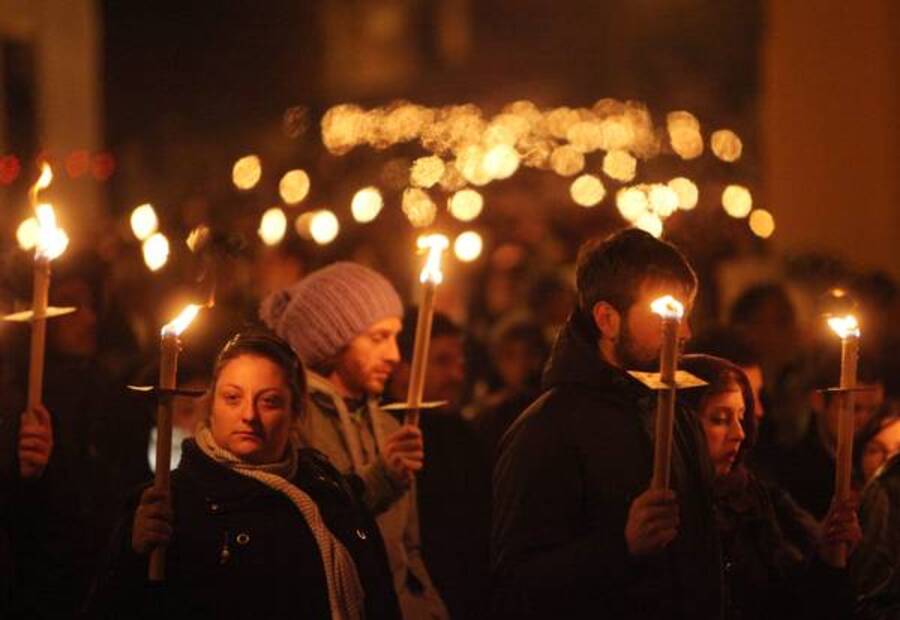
pixel 454 487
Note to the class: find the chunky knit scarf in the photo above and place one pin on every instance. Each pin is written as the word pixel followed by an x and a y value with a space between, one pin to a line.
pixel 345 592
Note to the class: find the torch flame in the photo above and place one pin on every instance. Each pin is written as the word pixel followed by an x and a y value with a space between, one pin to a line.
pixel 668 307
pixel 435 244
pixel 844 326
pixel 52 240
pixel 181 322
pixel 44 180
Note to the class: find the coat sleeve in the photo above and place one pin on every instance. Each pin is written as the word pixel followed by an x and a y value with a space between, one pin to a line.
pixel 412 542
pixel 381 490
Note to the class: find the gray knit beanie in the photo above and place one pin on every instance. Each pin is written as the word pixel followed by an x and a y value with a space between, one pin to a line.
pixel 322 313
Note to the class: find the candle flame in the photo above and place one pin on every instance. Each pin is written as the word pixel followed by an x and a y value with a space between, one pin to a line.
pixel 435 244
pixel 844 326
pixel 52 240
pixel 44 180
pixel 668 307
pixel 181 322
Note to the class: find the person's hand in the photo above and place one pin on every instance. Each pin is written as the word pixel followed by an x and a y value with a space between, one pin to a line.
pixel 652 522
pixel 152 522
pixel 35 442
pixel 404 453
pixel 839 527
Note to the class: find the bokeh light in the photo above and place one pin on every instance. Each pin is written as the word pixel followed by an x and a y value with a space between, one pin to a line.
pixel 324 227
pixel 272 226
pixel 567 161
pixel 246 172
pixel 426 171
pixel 687 192
pixel 156 251
pixel 651 223
pixel 465 205
pixel 762 223
pixel 684 134
pixel 587 190
pixel 620 165
pixel 501 161
pixel 468 246
pixel 294 186
pixel 632 203
pixel 726 145
pixel 366 204
pixel 302 225
pixel 662 199
pixel 27 233
pixel 144 221
pixel 418 207
pixel 737 201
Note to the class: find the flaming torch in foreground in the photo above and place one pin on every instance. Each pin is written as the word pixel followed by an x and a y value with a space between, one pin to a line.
pixel 51 243
pixel 847 328
pixel 168 368
pixel 430 277
pixel 671 311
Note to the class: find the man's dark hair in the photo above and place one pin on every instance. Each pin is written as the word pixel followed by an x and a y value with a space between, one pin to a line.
pixel 614 269
pixel 441 325
pixel 727 343
pixel 756 301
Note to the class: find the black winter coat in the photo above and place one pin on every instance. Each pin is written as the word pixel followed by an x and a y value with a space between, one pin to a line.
pixel 242 550
pixel 566 475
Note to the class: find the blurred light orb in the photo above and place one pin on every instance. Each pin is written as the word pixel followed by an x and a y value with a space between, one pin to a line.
pixel 620 165
pixel 246 172
pixel 687 192
pixel 587 190
pixel 324 227
pixel 762 223
pixel 452 180
pixel 651 223
pixel 726 145
pixel 426 171
pixel 632 203
pixel 567 161
pixel 418 207
pixel 156 251
pixel 27 234
pixel 272 226
pixel 366 204
pixel 616 134
pixel 343 127
pixel 294 186
pixel 560 120
pixel 499 133
pixel 586 136
pixel 684 134
pixel 501 161
pixel 144 221
pixel 468 246
pixel 470 163
pixel 198 238
pixel 465 205
pixel 737 201
pixel 303 223
pixel 663 200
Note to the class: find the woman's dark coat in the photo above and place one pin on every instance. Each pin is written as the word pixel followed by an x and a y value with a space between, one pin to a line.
pixel 242 550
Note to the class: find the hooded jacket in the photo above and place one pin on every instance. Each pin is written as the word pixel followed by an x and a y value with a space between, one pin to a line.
pixel 567 472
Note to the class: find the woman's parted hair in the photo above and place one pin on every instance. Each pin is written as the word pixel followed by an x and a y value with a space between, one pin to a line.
pixel 260 342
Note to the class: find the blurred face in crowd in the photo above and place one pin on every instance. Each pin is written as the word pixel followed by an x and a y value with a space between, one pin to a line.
pixel 755 376
pixel 251 411
pixel 446 371
pixel 74 334
pixel 880 448
pixel 637 333
pixel 518 362
pixel 365 365
pixel 866 404
pixel 721 416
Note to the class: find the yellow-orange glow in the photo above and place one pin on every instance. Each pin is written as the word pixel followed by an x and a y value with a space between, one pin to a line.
pixel 418 207
pixel 465 205
pixel 144 221
pixel 302 225
pixel 651 223
pixel 324 227
pixel 246 172
pixel 468 246
pixel 762 223
pixel 426 171
pixel 667 307
pixel 366 204
pixel 27 233
pixel 687 192
pixel 587 190
pixel 663 200
pixel 501 161
pixel 726 145
pixel 45 178
pixel 632 203
pixel 737 201
pixel 180 323
pixel 198 237
pixel 844 326
pixel 567 161
pixel 52 240
pixel 156 251
pixel 272 226
pixel 294 186
pixel 435 245
pixel 684 134
pixel 619 165
pixel 470 163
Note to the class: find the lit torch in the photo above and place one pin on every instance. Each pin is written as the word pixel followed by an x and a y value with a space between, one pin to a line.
pixel 168 368
pixel 430 277
pixel 671 311
pixel 847 328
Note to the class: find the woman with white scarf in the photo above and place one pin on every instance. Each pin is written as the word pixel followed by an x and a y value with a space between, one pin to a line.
pixel 254 526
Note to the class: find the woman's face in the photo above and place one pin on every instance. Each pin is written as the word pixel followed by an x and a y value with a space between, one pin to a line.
pixel 721 418
pixel 880 448
pixel 251 410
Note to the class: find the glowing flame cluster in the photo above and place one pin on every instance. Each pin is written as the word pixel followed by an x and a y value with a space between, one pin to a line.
pixel 647 206
pixel 667 307
pixel 435 245
pixel 41 231
pixel 144 221
pixel 844 326
pixel 180 323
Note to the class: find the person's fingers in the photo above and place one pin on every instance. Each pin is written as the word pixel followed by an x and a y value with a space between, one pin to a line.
pixel 34 443
pixel 656 513
pixel 655 497
pixel 154 496
pixel 41 415
pixel 404 433
pixel 33 457
pixel 412 465
pixel 407 446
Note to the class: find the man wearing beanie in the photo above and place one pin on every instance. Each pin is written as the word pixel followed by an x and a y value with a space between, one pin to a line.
pixel 343 321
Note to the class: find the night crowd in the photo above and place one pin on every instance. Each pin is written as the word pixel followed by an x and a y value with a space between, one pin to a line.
pixel 524 493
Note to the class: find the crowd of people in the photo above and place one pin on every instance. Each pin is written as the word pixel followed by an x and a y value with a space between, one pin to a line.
pixel 301 489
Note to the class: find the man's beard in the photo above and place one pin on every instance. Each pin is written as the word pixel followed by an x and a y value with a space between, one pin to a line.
pixel 632 359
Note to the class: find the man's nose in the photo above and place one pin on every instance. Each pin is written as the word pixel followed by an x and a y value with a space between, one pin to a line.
pixel 392 352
